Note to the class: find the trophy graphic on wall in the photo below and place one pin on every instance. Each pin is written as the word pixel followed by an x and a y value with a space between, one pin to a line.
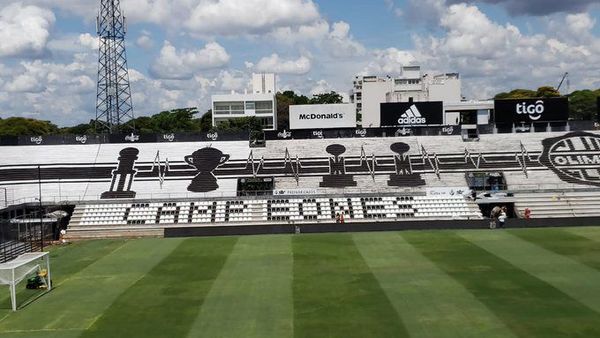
pixel 337 177
pixel 205 160
pixel 403 176
pixel 122 177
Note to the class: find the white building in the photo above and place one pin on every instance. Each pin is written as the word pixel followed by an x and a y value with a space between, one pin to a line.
pixel 412 85
pixel 264 84
pixel 261 103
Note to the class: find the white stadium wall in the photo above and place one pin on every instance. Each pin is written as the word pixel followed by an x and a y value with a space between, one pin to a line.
pixel 359 165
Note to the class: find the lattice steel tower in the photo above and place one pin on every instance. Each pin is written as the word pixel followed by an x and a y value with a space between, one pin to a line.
pixel 113 101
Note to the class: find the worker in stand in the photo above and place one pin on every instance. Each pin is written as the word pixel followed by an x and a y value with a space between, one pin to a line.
pixel 494 217
pixel 502 217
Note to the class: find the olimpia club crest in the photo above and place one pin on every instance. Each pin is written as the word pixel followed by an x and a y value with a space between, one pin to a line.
pixel 574 157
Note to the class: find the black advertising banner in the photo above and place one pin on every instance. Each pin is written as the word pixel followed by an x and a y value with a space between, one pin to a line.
pixel 598 108
pixel 531 110
pixel 412 113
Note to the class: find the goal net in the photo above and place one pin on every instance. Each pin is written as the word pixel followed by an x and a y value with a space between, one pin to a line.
pixel 33 267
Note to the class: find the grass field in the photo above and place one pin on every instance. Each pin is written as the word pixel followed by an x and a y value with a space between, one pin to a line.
pixel 502 283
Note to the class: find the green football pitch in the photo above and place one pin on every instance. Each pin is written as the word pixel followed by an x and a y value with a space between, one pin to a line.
pixel 501 283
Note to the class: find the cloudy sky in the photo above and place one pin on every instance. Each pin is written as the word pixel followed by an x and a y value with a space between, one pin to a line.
pixel 182 51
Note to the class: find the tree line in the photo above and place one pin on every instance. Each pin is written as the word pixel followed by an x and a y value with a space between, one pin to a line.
pixel 171 121
pixel 582 105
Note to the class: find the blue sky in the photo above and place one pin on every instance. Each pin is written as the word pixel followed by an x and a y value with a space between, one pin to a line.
pixel 181 52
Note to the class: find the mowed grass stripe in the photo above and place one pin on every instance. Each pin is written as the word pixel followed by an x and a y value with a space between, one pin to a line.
pixel 335 293
pixel 429 301
pixel 563 242
pixel 252 296
pixel 79 255
pixel 577 280
pixel 166 301
pixel 591 233
pixel 530 307
pixel 76 303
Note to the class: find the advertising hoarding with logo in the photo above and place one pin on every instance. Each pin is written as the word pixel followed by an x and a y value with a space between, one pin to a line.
pixel 412 113
pixel 531 110
pixel 323 116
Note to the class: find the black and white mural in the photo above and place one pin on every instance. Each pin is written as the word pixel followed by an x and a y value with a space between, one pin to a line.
pixel 125 172
pixel 575 157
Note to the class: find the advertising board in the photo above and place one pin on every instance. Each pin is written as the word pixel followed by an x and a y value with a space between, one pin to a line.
pixel 412 113
pixel 531 110
pixel 323 116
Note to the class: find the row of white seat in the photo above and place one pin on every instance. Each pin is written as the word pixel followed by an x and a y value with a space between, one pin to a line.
pixel 276 209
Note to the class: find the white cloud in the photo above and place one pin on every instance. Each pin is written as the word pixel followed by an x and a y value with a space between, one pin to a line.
pixel 470 32
pixel 321 87
pixel 493 57
pixel 145 41
pixel 276 64
pixel 24 83
pixel 241 17
pixel 389 61
pixel 183 64
pixel 233 80
pixel 342 44
pixel 89 41
pixel 61 92
pixel 580 23
pixel 334 40
pixel 24 30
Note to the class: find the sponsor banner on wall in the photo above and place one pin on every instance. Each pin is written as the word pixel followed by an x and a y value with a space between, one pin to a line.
pixel 323 116
pixel 295 192
pixel 598 108
pixel 448 191
pixel 531 110
pixel 412 113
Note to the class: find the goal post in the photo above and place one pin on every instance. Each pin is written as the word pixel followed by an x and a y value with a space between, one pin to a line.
pixel 15 271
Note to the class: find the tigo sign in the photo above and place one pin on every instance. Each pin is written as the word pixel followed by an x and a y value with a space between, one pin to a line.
pixel 531 110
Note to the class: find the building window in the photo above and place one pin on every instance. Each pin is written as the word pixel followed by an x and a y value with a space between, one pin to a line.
pixel 264 107
pixel 228 108
pixel 250 106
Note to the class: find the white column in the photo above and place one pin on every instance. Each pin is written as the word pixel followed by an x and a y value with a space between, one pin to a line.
pixel 13 293
pixel 48 270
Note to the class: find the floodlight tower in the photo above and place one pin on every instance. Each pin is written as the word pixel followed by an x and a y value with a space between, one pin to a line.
pixel 113 100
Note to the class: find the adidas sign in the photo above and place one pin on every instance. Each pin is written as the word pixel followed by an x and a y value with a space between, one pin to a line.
pixel 412 116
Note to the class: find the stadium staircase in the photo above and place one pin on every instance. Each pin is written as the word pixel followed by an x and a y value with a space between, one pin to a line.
pixel 559 204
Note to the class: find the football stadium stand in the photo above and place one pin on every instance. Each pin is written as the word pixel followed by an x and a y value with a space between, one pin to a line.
pixel 147 187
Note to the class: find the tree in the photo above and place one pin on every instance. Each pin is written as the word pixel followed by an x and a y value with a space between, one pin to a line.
pixel 283 110
pixel 582 104
pixel 547 91
pixel 80 129
pixel 517 94
pixel 15 126
pixel 171 121
pixel 240 124
pixel 206 121
pixel 544 91
pixel 327 98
